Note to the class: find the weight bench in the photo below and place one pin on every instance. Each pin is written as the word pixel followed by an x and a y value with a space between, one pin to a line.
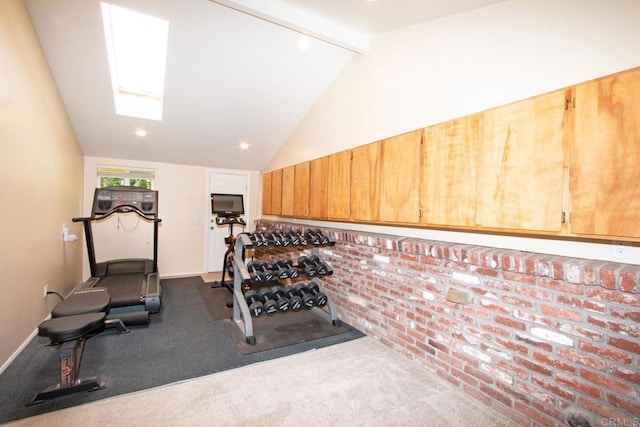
pixel 81 315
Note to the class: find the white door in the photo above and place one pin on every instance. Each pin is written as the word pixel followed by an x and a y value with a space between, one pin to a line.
pixel 224 183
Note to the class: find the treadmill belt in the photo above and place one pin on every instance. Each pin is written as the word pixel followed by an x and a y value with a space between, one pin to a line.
pixel 125 289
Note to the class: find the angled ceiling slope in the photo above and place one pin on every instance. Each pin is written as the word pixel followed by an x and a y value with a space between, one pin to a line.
pixel 230 77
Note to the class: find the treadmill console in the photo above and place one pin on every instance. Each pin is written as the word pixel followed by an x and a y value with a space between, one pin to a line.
pixel 124 199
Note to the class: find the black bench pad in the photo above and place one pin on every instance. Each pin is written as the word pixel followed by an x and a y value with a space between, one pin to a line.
pixel 91 300
pixel 62 329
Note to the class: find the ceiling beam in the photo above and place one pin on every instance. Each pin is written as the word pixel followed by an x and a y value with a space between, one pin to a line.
pixel 301 21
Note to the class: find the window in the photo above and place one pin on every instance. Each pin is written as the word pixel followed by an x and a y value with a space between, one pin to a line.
pixel 137 52
pixel 113 176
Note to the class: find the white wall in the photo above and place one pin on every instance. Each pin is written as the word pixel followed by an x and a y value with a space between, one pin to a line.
pixel 183 207
pixel 466 63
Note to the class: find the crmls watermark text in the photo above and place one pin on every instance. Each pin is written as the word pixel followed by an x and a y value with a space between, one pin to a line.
pixel 620 422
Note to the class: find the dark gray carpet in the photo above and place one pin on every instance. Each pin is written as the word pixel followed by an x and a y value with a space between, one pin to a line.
pixel 183 341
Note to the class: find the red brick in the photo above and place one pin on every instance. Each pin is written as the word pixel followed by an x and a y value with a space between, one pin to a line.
pixel 441 347
pixel 581 332
pixel 629 279
pixel 582 359
pixel 561 313
pixel 534 293
pixel 500 397
pixel 539 417
pixel 524 397
pixel 534 342
pixel 633 315
pixel 606 352
pixel 580 386
pixel 464 377
pixel 511 368
pixel 626 374
pixel 483 271
pixel 510 323
pixel 592 273
pixel 557 285
pixel 478 374
pixel 632 346
pixel 531 317
pixel 608 275
pixel 556 363
pixel 609 383
pixel 537 394
pixel 533 366
pixel 632 407
pixel 520 278
pixel 632 300
pixel 513 346
pixel 473 391
pixel 603 410
pixel 496 330
pixel 554 388
pixel 515 301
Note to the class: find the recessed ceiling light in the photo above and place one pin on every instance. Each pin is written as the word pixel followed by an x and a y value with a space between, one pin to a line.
pixel 141 132
pixel 244 146
pixel 302 43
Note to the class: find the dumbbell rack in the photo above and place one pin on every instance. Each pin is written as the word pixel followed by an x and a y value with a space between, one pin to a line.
pixel 241 314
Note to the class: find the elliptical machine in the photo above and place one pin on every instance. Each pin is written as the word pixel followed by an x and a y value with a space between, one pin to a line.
pixel 228 209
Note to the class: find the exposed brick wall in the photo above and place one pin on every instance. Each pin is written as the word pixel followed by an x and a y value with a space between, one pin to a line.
pixel 544 339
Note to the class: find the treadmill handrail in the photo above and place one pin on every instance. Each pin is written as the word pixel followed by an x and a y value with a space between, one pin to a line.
pixel 119 209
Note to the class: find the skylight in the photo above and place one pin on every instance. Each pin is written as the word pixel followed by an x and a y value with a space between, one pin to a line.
pixel 137 51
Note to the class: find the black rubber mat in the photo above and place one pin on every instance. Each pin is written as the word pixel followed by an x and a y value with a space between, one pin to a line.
pixel 182 341
pixel 271 332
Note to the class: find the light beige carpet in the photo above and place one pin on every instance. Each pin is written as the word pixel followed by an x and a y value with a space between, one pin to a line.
pixel 358 383
pixel 212 277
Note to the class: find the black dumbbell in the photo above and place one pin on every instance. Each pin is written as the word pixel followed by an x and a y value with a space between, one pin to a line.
pixel 255 276
pixel 295 302
pixel 321 267
pixel 309 267
pixel 256 308
pixel 293 237
pixel 283 238
pixel 308 300
pixel 321 297
pixel 282 302
pixel 293 272
pixel 324 240
pixel 259 239
pixel 268 303
pixel 263 269
pixel 282 269
pixel 312 237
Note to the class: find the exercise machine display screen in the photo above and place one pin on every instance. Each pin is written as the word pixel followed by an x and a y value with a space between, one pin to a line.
pixel 124 199
pixel 227 204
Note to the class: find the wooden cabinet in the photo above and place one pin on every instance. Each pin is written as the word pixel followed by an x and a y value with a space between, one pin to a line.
pixel 301 190
pixel 276 192
pixel 288 182
pixel 339 186
pixel 605 157
pixel 318 184
pixel 449 172
pixel 520 165
pixel 266 193
pixel 400 178
pixel 365 182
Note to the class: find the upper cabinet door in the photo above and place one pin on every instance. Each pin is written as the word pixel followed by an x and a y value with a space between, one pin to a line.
pixel 339 186
pixel 365 182
pixel 266 193
pixel 605 157
pixel 318 175
pixel 288 181
pixel 276 192
pixel 520 169
pixel 449 174
pixel 301 190
pixel 400 178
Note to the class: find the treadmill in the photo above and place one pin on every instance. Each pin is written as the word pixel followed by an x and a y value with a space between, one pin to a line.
pixel 133 283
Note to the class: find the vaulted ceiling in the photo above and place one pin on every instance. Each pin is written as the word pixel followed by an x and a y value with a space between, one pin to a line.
pixel 233 73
